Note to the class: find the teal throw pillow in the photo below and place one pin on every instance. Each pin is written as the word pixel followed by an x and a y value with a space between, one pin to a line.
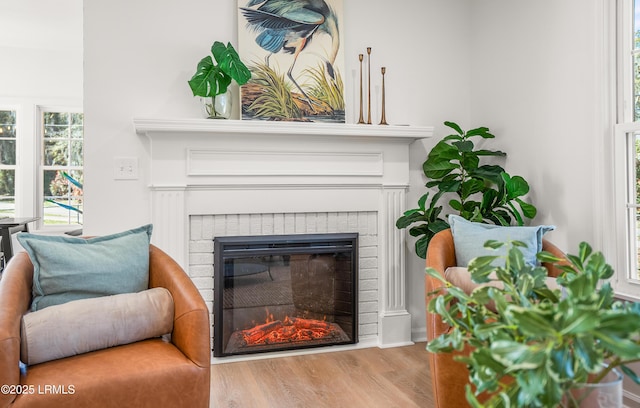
pixel 70 268
pixel 469 238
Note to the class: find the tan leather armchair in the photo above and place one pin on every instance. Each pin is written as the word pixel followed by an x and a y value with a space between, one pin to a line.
pixel 450 377
pixel 150 373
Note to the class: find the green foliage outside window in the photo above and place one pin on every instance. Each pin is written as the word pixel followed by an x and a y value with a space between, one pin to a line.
pixel 8 160
pixel 63 160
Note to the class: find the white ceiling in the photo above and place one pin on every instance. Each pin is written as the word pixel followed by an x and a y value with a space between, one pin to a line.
pixel 41 24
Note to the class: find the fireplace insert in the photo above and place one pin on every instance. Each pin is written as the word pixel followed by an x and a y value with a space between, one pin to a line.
pixel 283 292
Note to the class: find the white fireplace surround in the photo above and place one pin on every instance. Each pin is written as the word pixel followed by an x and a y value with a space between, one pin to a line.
pixel 220 167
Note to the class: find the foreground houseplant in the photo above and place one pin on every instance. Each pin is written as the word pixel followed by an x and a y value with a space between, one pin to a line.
pixel 533 344
pixel 214 75
pixel 480 192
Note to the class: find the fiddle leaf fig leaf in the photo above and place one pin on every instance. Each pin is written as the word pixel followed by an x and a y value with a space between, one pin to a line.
pixel 490 173
pixel 470 187
pixel 455 127
pixel 456 205
pixel 483 132
pixel 528 210
pixel 484 152
pixel 421 245
pixel 422 201
pixel 516 186
pixel 470 161
pixel 464 146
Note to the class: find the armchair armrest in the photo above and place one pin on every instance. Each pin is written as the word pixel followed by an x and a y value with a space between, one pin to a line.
pixel 191 328
pixel 15 300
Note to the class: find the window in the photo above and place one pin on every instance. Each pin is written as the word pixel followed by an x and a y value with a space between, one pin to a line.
pixel 61 174
pixel 626 149
pixel 7 162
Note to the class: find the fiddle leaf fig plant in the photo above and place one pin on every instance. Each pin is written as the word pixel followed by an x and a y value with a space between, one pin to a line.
pixel 478 192
pixel 532 342
pixel 214 75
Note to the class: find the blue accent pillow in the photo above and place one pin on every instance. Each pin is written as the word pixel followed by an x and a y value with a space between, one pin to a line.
pixel 469 238
pixel 70 268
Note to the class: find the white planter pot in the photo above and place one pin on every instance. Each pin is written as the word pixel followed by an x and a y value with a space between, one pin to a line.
pixel 605 394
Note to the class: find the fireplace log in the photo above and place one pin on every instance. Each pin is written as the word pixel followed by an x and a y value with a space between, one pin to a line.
pixel 292 330
pixel 300 323
pixel 257 333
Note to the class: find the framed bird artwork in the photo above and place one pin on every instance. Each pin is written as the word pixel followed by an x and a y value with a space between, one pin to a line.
pixel 294 49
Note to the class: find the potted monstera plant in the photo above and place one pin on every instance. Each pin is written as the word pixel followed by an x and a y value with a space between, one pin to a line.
pixel 477 191
pixel 536 344
pixel 213 77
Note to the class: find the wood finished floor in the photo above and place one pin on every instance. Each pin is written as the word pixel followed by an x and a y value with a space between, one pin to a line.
pixel 372 377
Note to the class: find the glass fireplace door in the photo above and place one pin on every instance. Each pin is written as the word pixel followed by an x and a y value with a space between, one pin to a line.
pixel 284 292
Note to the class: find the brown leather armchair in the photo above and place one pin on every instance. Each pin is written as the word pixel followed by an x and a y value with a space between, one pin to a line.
pixel 448 376
pixel 149 373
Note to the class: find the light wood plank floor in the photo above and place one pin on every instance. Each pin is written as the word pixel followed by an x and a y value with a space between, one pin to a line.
pixel 372 377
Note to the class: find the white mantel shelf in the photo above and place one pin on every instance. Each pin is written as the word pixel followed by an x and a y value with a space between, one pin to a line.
pixel 210 127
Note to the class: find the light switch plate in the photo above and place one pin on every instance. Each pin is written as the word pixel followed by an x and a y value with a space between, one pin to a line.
pixel 125 168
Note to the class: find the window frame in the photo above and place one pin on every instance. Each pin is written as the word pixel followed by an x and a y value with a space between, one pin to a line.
pixel 14 167
pixel 624 225
pixel 41 167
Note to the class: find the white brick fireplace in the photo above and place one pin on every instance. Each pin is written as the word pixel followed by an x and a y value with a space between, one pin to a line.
pixel 210 177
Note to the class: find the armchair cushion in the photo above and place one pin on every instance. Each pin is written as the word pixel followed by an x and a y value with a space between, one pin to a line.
pixel 469 238
pixel 86 325
pixel 71 268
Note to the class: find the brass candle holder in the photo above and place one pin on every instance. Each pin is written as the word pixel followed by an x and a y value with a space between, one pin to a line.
pixel 369 85
pixel 383 120
pixel 361 119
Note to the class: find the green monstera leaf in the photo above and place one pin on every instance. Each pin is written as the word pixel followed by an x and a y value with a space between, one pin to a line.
pixel 230 62
pixel 211 79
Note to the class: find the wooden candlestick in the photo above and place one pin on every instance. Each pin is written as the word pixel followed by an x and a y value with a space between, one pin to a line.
pixel 361 119
pixel 369 85
pixel 383 120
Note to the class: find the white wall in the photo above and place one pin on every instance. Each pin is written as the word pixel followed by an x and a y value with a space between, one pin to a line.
pixel 41 48
pixel 535 83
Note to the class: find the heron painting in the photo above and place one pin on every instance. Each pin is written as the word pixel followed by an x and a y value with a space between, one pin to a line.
pixel 294 51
